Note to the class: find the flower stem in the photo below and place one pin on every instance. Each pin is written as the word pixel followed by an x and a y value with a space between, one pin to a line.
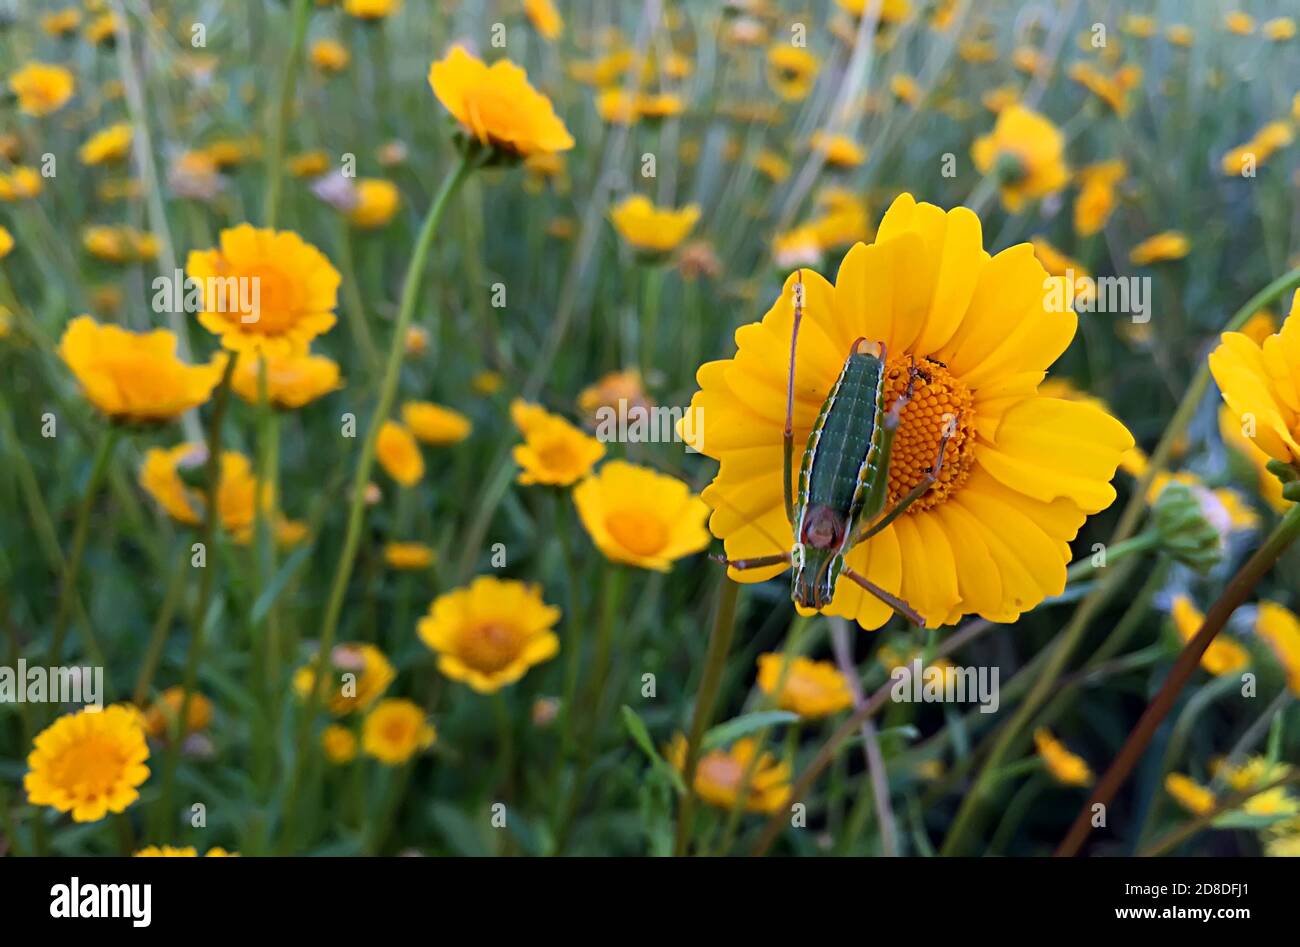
pixel 280 120
pixel 1234 594
pixel 715 660
pixel 68 588
pixel 356 509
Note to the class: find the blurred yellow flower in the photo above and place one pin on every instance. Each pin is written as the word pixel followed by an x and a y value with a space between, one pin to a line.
pixel 6 242
pixel 172 851
pixel 720 775
pixel 61 22
pixel 434 424
pixel 809 688
pixel 329 55
pixel 554 452
pixel 1096 200
pixel 791 71
pixel 1280 29
pixel 408 556
pixel 615 391
pixel 1242 24
pixel 838 149
pixel 339 744
pixel 395 730
pixel 905 88
pixel 1279 628
pixel 1169 245
pixel 134 377
pixel 1224 656
pixel 1065 767
pixel 1180 35
pixel 651 229
pixel 371 9
pixel 496 105
pixel 488 634
pixel 88 763
pixel 359 674
pixel 1234 437
pixel 399 454
pixel 111 144
pixel 292 379
pixel 1026 153
pixel 1188 793
pixel 640 517
pixel 22 183
pixel 545 18
pixel 162 714
pixel 1258 382
pixel 41 88
pixel 264 290
pixel 377 202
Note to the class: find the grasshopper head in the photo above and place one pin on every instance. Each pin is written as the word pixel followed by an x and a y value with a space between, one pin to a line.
pixel 818 557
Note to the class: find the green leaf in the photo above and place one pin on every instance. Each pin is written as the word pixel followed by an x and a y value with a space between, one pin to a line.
pixel 725 733
pixel 277 584
pixel 458 831
pixel 636 728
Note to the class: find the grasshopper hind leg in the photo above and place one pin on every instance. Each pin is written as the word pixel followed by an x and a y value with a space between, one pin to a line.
pixel 893 601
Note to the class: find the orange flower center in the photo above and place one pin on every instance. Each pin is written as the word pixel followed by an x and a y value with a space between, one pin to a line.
pixel 722 770
pixel 272 298
pixel 557 455
pixel 491 113
pixel 490 647
pixel 637 531
pixel 939 402
pixel 91 765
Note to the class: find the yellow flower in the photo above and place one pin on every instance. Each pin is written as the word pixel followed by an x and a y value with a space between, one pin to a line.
pixel 496 105
pixel 359 674
pixel 554 452
pixel 1026 152
pixel 377 202
pixel 888 11
pixel 61 22
pixel 1234 437
pixel 6 242
pixel 399 454
pixel 1280 29
pixel 134 377
pixel 112 144
pixel 638 516
pixel 408 555
pixel 1188 793
pixel 545 18
pixel 809 688
pixel 41 88
pixel 309 164
pixel 1063 267
pixel 102 31
pixel 838 149
pixel 1021 471
pixel 1112 90
pixel 905 88
pixel 1259 383
pixel 616 391
pixel 1280 630
pixel 1239 23
pixel 771 164
pixel 1224 656
pixel 720 775
pixel 171 851
pixel 651 229
pixel 163 476
pixel 1169 245
pixel 491 632
pixel 791 71
pixel 161 716
pixel 292 379
pixel 20 184
pixel 339 744
pixel 329 55
pixel 1180 35
pixel 487 383
pixel 617 106
pixel 264 290
pixel 1064 766
pixel 88 763
pixel 371 9
pixel 434 424
pixel 395 731
pixel 1096 200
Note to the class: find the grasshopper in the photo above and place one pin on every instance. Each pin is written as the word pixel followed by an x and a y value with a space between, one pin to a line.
pixel 843 475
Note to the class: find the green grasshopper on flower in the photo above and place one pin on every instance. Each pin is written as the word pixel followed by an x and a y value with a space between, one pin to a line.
pixel 843 475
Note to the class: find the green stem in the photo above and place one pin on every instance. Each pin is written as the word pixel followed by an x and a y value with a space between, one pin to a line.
pixel 158 637
pixel 715 660
pixel 352 304
pixel 356 510
pixel 68 587
pixel 280 119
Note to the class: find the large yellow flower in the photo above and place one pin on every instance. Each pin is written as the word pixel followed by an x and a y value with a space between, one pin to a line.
pixel 292 379
pixel 490 632
pixel 720 775
pixel 265 290
pixel 1026 152
pixel 1233 432
pixel 41 88
pixel 1021 472
pixel 395 731
pixel 1261 384
pixel 496 105
pixel 651 229
pixel 88 763
pixel 641 517
pixel 134 377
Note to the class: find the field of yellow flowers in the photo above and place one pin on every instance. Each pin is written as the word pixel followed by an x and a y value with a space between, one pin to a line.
pixel 649 427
